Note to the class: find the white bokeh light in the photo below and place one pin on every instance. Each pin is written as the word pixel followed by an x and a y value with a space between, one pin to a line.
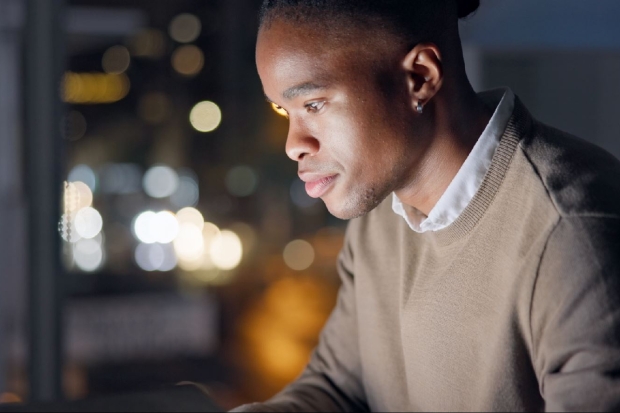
pixel 155 257
pixel 149 257
pixel 160 181
pixel 88 254
pixel 150 227
pixel 143 227
pixel 226 250
pixel 210 233
pixel 84 194
pixel 191 216
pixel 88 222
pixel 165 227
pixel 189 245
pixel 186 194
pixel 205 116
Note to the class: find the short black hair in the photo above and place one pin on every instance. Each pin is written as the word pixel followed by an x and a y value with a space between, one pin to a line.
pixel 408 18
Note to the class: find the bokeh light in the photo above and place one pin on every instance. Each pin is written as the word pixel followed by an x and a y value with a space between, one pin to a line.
pixel 116 60
pixel 189 247
pixel 149 257
pixel 88 222
pixel 149 43
pixel 88 254
pixel 165 227
pixel 188 60
pixel 91 88
pixel 66 227
pixel 187 192
pixel 210 233
pixel 170 260
pixel 205 116
pixel 83 173
pixel 143 227
pixel 190 216
pixel 226 250
pixel 185 28
pixel 84 194
pixel 154 107
pixel 241 181
pixel 155 257
pixel 298 255
pixel 161 227
pixel 160 181
pixel 247 234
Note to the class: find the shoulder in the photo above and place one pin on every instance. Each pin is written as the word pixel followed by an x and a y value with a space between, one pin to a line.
pixel 581 178
pixel 580 265
pixel 584 244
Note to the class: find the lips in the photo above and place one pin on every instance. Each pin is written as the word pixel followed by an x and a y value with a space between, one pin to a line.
pixel 317 185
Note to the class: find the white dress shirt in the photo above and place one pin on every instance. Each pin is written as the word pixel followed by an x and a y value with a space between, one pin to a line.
pixel 469 177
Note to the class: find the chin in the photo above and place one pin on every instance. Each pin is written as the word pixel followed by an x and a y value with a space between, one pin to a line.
pixel 352 206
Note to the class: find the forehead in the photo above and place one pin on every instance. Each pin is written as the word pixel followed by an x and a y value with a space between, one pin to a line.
pixel 287 54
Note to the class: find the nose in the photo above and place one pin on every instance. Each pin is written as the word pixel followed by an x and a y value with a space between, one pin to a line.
pixel 300 143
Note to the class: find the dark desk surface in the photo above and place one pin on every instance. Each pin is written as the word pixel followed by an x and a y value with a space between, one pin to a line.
pixel 184 398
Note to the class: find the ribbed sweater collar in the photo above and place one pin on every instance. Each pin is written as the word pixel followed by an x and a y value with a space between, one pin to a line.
pixel 518 126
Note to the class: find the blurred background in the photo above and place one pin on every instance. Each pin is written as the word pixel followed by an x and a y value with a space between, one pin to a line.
pixel 153 231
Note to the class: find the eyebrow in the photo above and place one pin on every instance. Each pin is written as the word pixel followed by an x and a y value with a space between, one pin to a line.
pixel 302 89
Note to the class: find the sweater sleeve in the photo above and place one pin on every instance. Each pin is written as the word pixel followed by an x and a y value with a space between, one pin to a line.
pixel 331 381
pixel 575 316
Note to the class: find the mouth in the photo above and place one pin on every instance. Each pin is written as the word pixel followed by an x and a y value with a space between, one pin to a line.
pixel 316 186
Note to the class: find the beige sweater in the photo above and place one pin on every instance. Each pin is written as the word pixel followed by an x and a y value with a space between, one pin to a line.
pixel 515 306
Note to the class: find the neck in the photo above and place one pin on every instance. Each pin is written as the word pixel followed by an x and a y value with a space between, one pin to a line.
pixel 458 117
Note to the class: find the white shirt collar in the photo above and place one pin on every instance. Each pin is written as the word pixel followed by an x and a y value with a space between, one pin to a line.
pixel 469 177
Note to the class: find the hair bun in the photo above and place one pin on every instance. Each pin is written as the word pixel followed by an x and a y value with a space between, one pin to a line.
pixel 467 7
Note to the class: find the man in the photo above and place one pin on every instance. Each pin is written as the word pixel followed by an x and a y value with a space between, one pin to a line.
pixel 482 269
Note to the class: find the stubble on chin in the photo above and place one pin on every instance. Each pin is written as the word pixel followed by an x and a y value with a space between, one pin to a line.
pixel 359 204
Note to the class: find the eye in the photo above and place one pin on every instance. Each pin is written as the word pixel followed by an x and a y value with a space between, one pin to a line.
pixel 314 107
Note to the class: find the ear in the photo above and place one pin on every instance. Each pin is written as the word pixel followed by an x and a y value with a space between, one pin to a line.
pixel 424 70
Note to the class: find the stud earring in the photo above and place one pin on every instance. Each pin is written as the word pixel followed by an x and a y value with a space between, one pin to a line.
pixel 419 107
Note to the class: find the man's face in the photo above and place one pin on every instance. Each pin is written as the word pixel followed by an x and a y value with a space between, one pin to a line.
pixel 352 128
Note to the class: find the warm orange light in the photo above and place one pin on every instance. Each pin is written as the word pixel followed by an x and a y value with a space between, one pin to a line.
pixel 9 398
pixel 280 111
pixel 95 87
